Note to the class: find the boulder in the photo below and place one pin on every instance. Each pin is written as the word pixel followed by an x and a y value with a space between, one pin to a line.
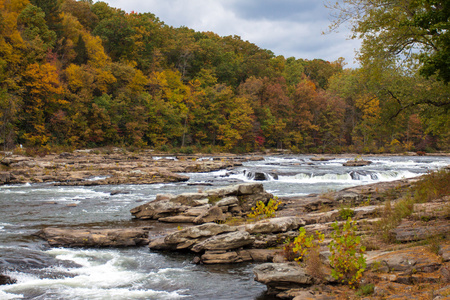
pixel 228 201
pixel 158 209
pixel 190 199
pixel 5 177
pixel 222 257
pixel 196 232
pixel 282 276
pixel 213 214
pixel 57 237
pixel 274 225
pixel 4 279
pixel 226 241
pixel 197 211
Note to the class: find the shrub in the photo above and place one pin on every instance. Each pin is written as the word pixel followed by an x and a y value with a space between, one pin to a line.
pixel 307 249
pixel 304 244
pixel 263 211
pixel 347 254
pixel 366 290
pixel 346 213
pixel 432 186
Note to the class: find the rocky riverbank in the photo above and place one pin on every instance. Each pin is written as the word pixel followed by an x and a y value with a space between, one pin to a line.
pixel 214 225
pixel 116 166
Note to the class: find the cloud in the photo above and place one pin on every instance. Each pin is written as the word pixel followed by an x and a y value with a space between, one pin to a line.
pixel 286 27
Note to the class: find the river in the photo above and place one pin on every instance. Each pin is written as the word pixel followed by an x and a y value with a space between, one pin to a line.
pixel 43 272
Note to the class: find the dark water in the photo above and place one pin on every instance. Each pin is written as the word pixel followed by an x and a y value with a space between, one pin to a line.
pixel 138 273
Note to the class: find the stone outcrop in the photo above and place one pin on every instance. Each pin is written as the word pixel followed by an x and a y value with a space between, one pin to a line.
pixel 110 166
pixel 57 237
pixel 280 277
pixel 215 205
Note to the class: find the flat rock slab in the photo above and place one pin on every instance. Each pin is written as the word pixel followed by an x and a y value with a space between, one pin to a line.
pixel 412 260
pixel 282 276
pixel 274 225
pixel 409 231
pixel 93 238
pixel 226 241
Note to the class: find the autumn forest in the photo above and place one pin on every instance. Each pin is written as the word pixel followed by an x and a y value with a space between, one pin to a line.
pixel 82 74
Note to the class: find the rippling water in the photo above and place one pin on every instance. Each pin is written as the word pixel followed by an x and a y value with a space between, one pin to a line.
pixel 138 273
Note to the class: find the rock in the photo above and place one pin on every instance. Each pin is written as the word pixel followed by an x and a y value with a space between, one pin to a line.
pixel 228 201
pixel 196 232
pixel 221 257
pixel 412 260
pixel 189 199
pixel 197 211
pixel 177 219
pixel 226 241
pixel 4 279
pixel 250 188
pixel 158 209
pixel 57 237
pixel 274 225
pixel 444 252
pixel 282 276
pixel 213 214
pixel 356 163
pixel 409 231
pixel 5 177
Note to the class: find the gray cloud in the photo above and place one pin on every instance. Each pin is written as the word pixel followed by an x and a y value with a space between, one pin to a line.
pixel 286 27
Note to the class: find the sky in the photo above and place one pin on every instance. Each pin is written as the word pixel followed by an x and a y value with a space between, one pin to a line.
pixel 292 28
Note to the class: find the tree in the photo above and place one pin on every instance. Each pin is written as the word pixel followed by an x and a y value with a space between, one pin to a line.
pixel 413 32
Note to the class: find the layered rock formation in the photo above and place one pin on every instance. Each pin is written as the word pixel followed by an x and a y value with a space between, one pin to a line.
pixel 114 166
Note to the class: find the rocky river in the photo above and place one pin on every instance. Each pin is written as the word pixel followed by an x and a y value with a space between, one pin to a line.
pixel 82 192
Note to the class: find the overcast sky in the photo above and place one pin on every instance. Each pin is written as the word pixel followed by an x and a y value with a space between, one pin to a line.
pixel 286 27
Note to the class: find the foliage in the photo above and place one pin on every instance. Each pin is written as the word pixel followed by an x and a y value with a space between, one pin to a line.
pixel 303 245
pixel 432 186
pixel 347 255
pixel 366 290
pixel 345 213
pixel 83 74
pixel 263 211
pixel 414 30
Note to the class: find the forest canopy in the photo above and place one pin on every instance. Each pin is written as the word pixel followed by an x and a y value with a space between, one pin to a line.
pixel 81 74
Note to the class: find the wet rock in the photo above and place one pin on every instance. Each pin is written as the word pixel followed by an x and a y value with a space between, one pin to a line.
pixel 4 279
pixel 226 241
pixel 57 237
pixel 356 163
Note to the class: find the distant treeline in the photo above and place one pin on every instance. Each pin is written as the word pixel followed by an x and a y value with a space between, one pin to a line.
pixel 83 74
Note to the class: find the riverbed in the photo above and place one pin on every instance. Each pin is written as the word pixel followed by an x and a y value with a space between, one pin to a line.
pixel 43 272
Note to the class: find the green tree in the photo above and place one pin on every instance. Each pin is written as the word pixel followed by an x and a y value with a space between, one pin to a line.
pixel 400 30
